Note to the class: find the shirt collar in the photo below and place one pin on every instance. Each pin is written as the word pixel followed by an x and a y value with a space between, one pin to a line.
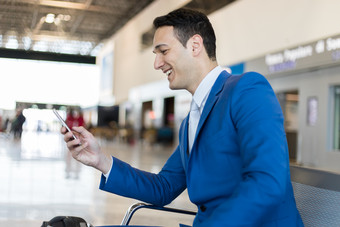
pixel 205 86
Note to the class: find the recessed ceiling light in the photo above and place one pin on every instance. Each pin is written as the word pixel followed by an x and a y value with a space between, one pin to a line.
pixel 49 18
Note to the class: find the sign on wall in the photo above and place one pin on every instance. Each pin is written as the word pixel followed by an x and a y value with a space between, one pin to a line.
pixel 323 52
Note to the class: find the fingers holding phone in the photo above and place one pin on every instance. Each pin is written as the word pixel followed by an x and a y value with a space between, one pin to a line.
pixel 64 124
pixel 89 152
pixel 71 136
pixel 83 146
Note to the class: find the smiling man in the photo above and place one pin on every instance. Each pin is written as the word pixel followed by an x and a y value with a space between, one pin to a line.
pixel 232 154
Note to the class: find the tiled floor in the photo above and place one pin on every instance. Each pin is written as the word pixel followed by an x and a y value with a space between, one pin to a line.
pixel 35 186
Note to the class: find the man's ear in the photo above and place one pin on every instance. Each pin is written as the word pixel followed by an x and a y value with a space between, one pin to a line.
pixel 196 44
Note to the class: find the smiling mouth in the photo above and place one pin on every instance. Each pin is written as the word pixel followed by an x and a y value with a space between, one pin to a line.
pixel 168 72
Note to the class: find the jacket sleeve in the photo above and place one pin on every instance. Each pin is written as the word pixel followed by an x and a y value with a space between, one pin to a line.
pixel 258 120
pixel 158 189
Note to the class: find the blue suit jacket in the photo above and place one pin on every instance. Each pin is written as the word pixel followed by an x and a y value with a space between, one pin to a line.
pixel 237 172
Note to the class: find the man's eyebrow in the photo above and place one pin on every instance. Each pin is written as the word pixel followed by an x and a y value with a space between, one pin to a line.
pixel 158 47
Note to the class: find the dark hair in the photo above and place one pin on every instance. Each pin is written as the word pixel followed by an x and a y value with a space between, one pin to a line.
pixel 187 23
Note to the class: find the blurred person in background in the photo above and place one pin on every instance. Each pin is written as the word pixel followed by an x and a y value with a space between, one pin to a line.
pixel 17 123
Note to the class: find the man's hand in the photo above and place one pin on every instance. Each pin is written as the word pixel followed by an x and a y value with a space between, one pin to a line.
pixel 86 149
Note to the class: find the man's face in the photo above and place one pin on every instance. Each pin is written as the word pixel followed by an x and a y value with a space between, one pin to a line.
pixel 172 58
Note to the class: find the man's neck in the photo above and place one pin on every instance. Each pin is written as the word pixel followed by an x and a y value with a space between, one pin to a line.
pixel 203 72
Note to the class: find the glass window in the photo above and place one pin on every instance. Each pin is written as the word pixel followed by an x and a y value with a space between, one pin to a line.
pixel 336 118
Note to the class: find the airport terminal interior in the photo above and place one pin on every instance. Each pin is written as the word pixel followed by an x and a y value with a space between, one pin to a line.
pixel 93 59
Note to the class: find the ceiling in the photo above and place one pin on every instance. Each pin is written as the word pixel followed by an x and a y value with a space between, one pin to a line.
pixel 76 27
pixel 71 27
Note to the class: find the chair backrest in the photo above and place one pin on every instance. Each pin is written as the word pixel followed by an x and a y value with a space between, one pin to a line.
pixel 317 195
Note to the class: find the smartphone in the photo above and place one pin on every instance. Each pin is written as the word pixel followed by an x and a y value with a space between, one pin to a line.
pixel 63 122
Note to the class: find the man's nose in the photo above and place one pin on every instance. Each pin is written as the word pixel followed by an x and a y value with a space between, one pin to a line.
pixel 159 62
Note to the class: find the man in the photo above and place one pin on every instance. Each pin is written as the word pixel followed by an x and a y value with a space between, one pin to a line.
pixel 18 123
pixel 233 160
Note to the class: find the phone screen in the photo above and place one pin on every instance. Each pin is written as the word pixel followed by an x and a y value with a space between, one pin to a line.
pixel 63 122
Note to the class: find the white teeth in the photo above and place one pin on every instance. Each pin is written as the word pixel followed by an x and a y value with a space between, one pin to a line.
pixel 168 72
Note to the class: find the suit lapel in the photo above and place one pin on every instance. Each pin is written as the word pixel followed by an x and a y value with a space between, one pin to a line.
pixel 212 98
